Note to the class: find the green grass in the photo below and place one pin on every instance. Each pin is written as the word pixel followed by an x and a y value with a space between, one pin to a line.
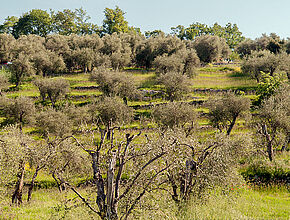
pixel 77 77
pixel 265 204
pixel 216 79
pixel 248 204
pixel 75 84
pixel 45 204
pixel 240 203
pixel 84 93
pixel 28 93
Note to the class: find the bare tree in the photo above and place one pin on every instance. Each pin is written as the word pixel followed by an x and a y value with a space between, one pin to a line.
pixel 140 161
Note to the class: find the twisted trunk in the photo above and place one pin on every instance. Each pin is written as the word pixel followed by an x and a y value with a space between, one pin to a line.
pixel 32 183
pixel 17 195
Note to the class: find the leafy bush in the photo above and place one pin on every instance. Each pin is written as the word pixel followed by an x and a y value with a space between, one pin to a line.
pixel 264 172
pixel 174 114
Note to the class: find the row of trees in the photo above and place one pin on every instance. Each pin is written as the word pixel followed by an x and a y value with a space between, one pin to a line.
pixel 55 54
pixel 260 62
pixel 230 32
pixel 272 43
pixel 66 22
pixel 267 54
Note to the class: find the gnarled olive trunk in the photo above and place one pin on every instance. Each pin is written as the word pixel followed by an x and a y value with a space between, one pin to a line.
pixel 17 195
pixel 29 194
pixel 269 143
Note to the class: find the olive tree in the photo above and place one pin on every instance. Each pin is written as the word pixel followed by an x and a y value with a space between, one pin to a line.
pixel 246 47
pixel 174 114
pixel 273 120
pixel 48 63
pixel 287 47
pixel 58 156
pixel 153 47
pixel 224 111
pixel 85 58
pixel 261 61
pixel 110 112
pixel 7 42
pixel 200 166
pixel 52 88
pixel 20 68
pixel 113 83
pixel 175 85
pixel 53 123
pixel 3 81
pixel 18 110
pixel 66 161
pixel 211 48
pixel 183 61
pixel 118 50
pixel 14 147
pixel 167 63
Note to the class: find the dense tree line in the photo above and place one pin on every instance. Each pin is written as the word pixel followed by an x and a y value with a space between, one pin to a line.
pixel 67 22
pixel 230 32
pixel 57 54
pixel 45 44
pixel 267 54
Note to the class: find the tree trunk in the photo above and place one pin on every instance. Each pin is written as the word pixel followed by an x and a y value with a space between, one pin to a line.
pixel 17 195
pixel 269 143
pixel 232 125
pixel 20 122
pixel 32 183
pixel 125 100
pixel 111 211
pixel 109 131
pixel 98 179
pixel 270 151
pixel 60 185
pixel 286 143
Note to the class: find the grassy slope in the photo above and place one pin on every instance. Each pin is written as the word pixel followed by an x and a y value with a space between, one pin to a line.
pixel 266 204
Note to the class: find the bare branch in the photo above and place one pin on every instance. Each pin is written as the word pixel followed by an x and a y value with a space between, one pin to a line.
pixel 83 199
pixel 144 190
pixel 138 174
